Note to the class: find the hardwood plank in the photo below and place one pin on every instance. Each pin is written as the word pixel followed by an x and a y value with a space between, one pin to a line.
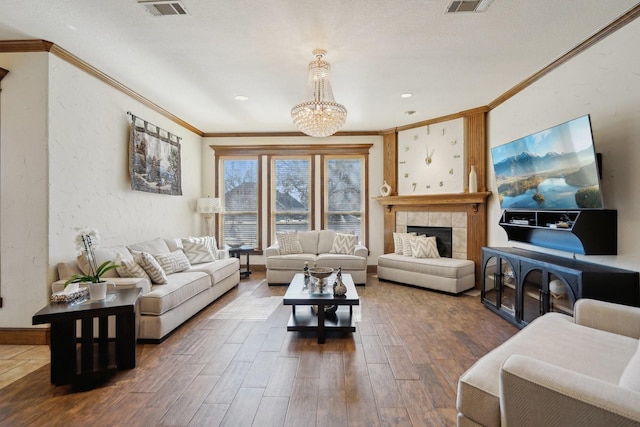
pixel 185 407
pixel 243 408
pixel 373 351
pixel 401 365
pixel 221 359
pixel 384 386
pixel 229 383
pixel 361 403
pixel 281 380
pixel 209 414
pixel 303 404
pixel 271 412
pixel 260 371
pixel 395 417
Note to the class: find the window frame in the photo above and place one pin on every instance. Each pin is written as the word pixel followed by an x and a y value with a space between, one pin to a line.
pixel 271 194
pixel 264 152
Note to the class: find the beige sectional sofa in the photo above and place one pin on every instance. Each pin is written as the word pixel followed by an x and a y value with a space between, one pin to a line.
pixel 316 247
pixel 560 371
pixel 164 307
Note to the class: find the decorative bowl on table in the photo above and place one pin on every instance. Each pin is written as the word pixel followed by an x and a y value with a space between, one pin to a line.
pixel 320 274
pixel 235 245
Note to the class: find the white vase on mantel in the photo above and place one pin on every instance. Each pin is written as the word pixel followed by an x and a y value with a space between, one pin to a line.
pixel 473 180
pixel 385 190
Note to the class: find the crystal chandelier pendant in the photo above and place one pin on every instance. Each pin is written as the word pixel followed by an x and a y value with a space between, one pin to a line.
pixel 319 115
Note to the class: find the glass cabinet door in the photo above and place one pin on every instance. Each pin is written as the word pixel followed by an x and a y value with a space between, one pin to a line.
pixel 499 284
pixel 532 295
pixel 542 292
pixel 561 296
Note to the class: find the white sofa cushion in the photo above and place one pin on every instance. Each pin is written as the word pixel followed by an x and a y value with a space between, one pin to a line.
pixel 309 241
pixel 444 267
pixel 347 262
pixel 154 247
pixel 289 262
pixel 219 269
pixel 630 377
pixel 179 288
pixel 102 255
pixel 344 244
pixel 288 243
pixel 325 241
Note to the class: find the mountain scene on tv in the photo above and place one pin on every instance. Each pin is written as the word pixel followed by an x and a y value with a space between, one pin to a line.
pixel 552 169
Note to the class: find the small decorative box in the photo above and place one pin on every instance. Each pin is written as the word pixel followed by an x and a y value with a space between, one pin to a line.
pixel 69 295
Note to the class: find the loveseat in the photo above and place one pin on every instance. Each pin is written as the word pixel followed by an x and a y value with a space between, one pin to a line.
pixel 187 275
pixel 322 248
pixel 559 371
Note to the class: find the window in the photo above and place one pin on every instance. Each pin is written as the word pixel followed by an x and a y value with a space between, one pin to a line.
pixel 282 186
pixel 344 195
pixel 291 194
pixel 240 184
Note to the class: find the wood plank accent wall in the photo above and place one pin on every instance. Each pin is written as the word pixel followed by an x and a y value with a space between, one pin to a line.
pixel 474 204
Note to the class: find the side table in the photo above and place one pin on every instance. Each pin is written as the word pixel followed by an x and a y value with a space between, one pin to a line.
pixel 237 252
pixel 96 357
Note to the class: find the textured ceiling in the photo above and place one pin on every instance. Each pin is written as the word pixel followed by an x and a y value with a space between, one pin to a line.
pixel 193 66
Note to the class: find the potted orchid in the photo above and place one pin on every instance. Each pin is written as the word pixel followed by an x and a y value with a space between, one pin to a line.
pixel 86 240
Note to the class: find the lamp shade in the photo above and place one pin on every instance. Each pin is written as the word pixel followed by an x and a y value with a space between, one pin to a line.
pixel 208 205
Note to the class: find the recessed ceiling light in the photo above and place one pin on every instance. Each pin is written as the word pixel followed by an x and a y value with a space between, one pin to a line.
pixel 406 95
pixel 410 112
pixel 241 98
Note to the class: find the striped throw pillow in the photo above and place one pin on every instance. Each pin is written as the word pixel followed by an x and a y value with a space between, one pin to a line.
pixel 397 242
pixel 344 244
pixel 197 253
pixel 425 247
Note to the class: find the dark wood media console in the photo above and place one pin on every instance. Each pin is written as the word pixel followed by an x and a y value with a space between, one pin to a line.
pixel 520 285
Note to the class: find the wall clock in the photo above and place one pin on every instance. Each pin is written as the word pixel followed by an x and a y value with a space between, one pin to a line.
pixel 431 159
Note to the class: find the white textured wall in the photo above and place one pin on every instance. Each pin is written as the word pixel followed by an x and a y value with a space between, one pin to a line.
pixel 376 219
pixel 603 81
pixel 24 189
pixel 71 137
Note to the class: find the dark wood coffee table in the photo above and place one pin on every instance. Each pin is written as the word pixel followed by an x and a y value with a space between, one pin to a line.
pixel 303 318
pixel 97 357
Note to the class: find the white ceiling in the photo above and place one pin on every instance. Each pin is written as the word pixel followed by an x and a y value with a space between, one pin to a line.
pixel 193 66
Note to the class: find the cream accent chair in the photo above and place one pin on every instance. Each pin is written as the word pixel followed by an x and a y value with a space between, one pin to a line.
pixel 559 371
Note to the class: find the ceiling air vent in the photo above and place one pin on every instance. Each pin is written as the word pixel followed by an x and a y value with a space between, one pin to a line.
pixel 163 7
pixel 463 6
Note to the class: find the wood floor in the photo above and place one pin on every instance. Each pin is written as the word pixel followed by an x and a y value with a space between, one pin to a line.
pixel 400 368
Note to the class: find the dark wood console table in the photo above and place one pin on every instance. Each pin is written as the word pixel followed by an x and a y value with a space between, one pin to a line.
pixel 520 285
pixel 95 358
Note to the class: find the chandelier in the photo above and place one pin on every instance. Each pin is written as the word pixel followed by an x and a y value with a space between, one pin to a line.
pixel 319 115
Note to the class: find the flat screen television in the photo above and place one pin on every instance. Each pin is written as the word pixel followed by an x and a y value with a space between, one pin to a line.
pixel 554 169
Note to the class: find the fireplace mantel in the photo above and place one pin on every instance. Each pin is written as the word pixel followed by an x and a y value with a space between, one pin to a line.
pixel 423 200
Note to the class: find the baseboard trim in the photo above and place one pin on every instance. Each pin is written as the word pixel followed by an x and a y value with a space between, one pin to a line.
pixel 25 336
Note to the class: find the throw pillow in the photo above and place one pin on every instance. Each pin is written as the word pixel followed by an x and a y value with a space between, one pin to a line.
pixel 151 267
pixel 425 247
pixel 397 242
pixel 173 262
pixel 288 243
pixel 407 250
pixel 130 268
pixel 344 244
pixel 208 241
pixel 197 253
